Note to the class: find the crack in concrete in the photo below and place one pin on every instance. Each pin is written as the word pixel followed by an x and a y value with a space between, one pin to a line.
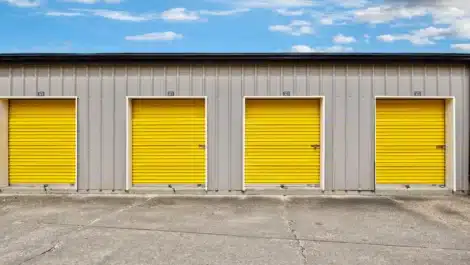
pixel 52 248
pixel 297 241
pixel 81 227
pixel 290 226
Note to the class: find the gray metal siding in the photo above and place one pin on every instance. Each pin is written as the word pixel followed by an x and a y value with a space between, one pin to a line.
pixel 349 92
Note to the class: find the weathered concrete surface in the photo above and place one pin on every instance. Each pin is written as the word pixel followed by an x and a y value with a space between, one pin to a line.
pixel 82 229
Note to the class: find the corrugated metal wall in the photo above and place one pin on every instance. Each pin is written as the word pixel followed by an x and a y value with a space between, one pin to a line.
pixel 349 91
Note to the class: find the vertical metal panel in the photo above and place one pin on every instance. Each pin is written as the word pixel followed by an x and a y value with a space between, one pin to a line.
pixel 43 80
pixel 172 79
pixel 159 81
pixel 56 86
pixel 300 80
pixel 466 135
pixel 430 81
pixel 197 80
pixel 457 90
pixel 210 86
pixel 275 80
pixel 120 133
pixel 366 130
pixel 314 81
pixel 339 131
pixel 133 80
pixel 68 81
pixel 287 78
pixel 95 125
pixel 30 84
pixel 379 80
pixel 108 132
pixel 223 128
pixel 443 84
pixel 392 80
pixel 146 80
pixel 353 115
pixel 249 79
pixel 262 80
pixel 404 81
pixel 236 122
pixel 5 81
pixel 327 86
pixel 184 81
pixel 417 80
pixel 17 81
pixel 83 128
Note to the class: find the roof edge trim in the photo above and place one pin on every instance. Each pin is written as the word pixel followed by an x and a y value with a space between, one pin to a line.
pixel 126 58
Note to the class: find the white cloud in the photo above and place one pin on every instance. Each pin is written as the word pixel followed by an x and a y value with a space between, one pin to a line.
pixel 63 14
pixel 367 38
pixel 337 49
pixel 290 13
pixel 384 14
pixel 156 36
pixel 332 49
pixel 223 12
pixel 351 3
pixel 295 28
pixel 388 38
pixel 23 3
pixel 461 28
pixel 93 1
pixel 330 19
pixel 118 15
pixel 174 14
pixel 453 13
pixel 274 3
pixel 447 15
pixel 327 21
pixel 461 46
pixel 179 14
pixel 424 36
pixel 341 39
pixel 302 48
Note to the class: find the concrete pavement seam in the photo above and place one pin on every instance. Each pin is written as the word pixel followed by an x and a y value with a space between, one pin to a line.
pixel 265 237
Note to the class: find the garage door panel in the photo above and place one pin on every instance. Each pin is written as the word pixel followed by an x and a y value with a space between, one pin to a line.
pixel 410 135
pixel 279 135
pixel 168 141
pixel 42 141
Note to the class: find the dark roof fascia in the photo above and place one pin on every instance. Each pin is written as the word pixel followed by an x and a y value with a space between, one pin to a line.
pixel 219 58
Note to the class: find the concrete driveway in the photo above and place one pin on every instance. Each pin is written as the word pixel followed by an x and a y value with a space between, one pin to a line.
pixel 78 229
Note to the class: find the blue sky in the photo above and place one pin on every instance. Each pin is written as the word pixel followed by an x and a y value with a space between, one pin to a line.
pixel 234 26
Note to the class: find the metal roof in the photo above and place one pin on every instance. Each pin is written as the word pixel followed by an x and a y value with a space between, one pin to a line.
pixel 126 58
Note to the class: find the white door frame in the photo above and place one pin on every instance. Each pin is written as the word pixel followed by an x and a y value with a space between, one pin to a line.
pixel 75 98
pixel 450 131
pixel 322 132
pixel 129 134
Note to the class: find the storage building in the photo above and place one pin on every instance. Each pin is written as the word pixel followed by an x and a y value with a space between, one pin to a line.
pixel 235 122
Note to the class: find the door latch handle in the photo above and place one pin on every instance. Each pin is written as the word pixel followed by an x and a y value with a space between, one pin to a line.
pixel 202 146
pixel 315 146
pixel 441 147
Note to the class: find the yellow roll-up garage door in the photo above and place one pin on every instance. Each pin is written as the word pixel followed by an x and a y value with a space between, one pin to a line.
pixel 42 141
pixel 282 141
pixel 410 141
pixel 168 141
